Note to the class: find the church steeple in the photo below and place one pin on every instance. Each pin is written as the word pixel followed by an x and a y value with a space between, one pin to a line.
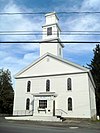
pixel 51 28
pixel 51 33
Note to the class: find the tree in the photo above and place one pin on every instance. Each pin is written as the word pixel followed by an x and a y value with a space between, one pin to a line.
pixel 6 92
pixel 95 69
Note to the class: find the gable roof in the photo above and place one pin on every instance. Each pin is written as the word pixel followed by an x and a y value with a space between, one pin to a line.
pixel 55 57
pixel 59 59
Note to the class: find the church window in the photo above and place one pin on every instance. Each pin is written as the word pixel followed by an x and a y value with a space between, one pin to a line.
pixel 28 86
pixel 49 31
pixel 43 104
pixel 48 85
pixel 69 86
pixel 69 104
pixel 27 104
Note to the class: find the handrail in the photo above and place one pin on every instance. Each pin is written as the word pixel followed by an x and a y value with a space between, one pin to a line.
pixel 31 110
pixel 62 111
pixel 23 112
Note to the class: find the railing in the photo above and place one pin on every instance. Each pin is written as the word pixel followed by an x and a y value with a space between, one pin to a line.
pixel 23 112
pixel 60 112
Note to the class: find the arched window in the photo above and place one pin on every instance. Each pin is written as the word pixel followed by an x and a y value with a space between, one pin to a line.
pixel 28 86
pixel 48 85
pixel 69 104
pixel 27 104
pixel 69 84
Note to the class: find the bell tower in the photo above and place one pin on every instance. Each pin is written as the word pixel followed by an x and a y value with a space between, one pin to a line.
pixel 50 41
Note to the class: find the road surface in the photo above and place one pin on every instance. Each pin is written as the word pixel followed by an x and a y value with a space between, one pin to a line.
pixel 8 126
pixel 18 127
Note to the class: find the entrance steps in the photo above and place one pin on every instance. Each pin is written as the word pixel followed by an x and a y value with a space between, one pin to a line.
pixel 61 118
pixel 35 118
pixel 46 118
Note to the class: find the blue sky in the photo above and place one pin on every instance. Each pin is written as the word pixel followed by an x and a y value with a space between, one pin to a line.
pixel 16 56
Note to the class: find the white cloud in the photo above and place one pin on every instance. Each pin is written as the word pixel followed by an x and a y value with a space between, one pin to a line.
pixel 29 57
pixel 82 22
pixel 91 5
pixel 18 22
pixel 17 56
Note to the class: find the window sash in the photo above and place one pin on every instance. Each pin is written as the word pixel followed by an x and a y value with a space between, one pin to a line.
pixel 69 104
pixel 48 85
pixel 69 84
pixel 27 104
pixel 28 86
pixel 43 104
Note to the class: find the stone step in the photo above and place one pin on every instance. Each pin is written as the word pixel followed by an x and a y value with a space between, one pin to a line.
pixel 35 118
pixel 46 118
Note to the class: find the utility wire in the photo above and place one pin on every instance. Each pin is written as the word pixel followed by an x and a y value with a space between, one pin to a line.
pixel 49 42
pixel 46 34
pixel 38 13
pixel 43 31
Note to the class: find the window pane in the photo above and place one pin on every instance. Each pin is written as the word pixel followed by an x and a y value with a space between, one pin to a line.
pixel 27 104
pixel 69 84
pixel 69 104
pixel 48 85
pixel 49 31
pixel 28 86
pixel 42 103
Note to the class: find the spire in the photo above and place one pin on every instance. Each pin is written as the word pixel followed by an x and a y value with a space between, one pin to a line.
pixel 51 33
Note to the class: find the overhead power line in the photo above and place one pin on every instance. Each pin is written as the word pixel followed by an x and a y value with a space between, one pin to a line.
pixel 8 31
pixel 45 34
pixel 39 13
pixel 49 42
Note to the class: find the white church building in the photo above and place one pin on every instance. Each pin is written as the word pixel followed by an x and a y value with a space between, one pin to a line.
pixel 52 87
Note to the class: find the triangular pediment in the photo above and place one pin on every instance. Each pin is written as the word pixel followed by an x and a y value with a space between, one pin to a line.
pixel 50 65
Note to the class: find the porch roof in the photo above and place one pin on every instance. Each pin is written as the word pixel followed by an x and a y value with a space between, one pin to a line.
pixel 44 94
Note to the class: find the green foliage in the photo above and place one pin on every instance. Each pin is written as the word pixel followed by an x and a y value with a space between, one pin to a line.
pixel 95 69
pixel 6 92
